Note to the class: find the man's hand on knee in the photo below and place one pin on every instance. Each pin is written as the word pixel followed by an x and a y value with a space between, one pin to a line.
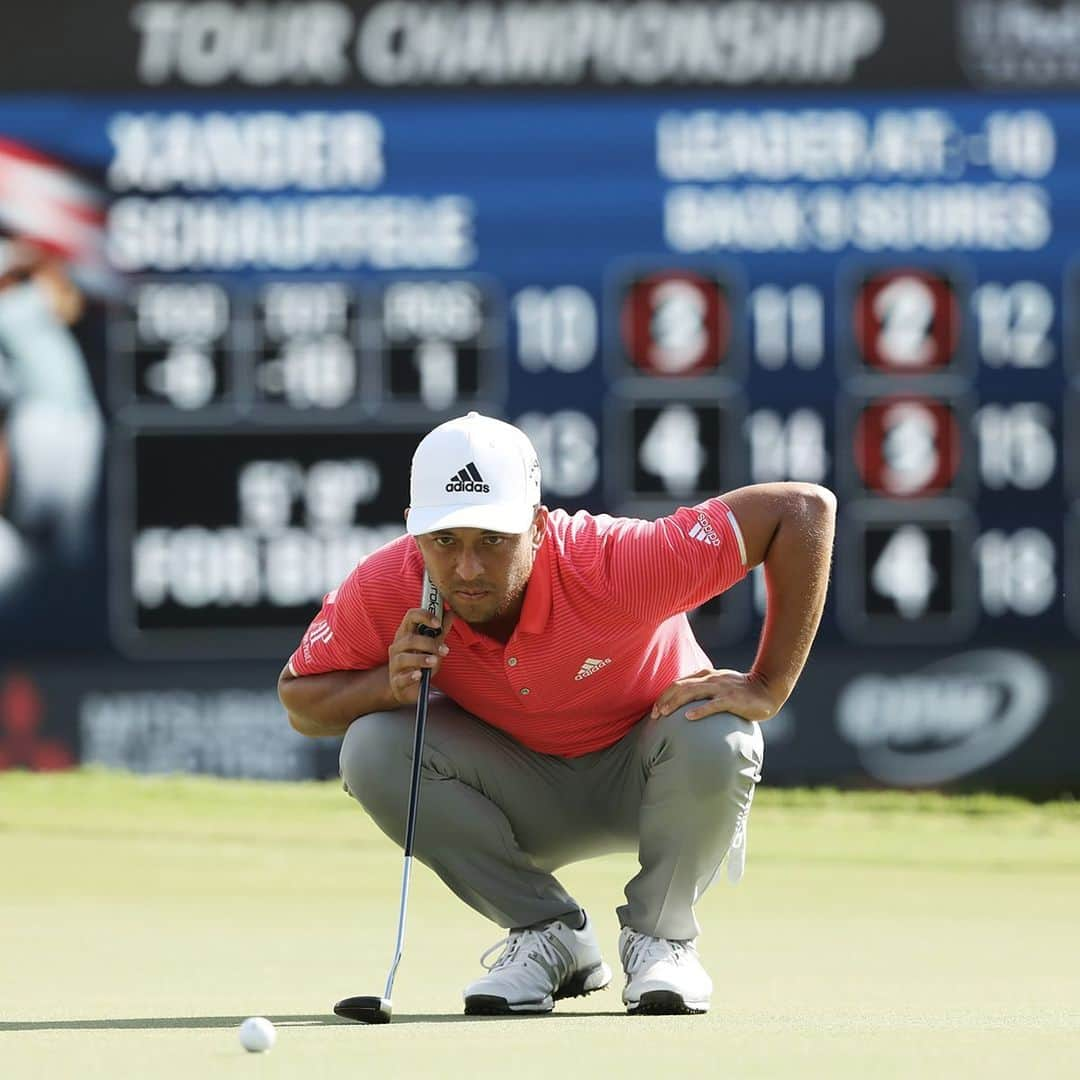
pixel 719 691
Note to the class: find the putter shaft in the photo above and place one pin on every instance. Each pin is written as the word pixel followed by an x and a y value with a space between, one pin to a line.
pixel 410 827
pixel 431 600
pixel 379 1010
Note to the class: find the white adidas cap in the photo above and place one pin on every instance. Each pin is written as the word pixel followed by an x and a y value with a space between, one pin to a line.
pixel 473 473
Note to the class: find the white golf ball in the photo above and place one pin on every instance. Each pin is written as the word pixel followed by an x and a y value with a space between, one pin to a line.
pixel 257 1034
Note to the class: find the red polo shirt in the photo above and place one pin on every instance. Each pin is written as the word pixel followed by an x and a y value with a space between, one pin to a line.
pixel 602 630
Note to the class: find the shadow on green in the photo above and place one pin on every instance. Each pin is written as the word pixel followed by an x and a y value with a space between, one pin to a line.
pixel 314 1020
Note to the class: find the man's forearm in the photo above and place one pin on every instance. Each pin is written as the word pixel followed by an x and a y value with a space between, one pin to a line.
pixel 796 577
pixel 325 705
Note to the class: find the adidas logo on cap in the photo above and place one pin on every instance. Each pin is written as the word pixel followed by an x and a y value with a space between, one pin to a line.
pixel 468 479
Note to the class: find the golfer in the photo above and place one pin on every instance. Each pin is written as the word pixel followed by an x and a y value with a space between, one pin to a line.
pixel 574 713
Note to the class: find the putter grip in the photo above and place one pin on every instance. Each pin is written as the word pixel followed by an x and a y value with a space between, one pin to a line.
pixel 431 600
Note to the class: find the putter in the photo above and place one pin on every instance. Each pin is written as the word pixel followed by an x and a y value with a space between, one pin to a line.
pixel 379 1010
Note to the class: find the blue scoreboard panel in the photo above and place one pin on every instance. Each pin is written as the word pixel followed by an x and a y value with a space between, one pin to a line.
pixel 671 297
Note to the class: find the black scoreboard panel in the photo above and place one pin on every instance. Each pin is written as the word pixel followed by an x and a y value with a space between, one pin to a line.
pixel 265 432
pixel 242 533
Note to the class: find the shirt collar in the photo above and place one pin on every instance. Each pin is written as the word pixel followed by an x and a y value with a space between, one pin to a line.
pixel 467 634
pixel 537 604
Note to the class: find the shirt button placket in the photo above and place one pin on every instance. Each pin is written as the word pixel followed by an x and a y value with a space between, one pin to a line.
pixel 512 662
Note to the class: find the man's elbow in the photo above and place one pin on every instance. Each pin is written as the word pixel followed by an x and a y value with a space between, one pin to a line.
pixel 818 501
pixel 810 509
pixel 300 726
pixel 286 688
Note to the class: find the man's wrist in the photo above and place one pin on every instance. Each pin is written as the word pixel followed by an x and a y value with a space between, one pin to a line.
pixel 774 690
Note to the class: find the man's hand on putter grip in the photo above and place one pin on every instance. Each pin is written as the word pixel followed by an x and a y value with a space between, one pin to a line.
pixel 410 652
pixel 718 690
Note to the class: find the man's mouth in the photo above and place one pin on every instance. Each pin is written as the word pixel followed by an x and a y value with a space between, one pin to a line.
pixel 471 594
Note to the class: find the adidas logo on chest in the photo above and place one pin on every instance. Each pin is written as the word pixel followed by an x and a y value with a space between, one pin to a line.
pixel 591 667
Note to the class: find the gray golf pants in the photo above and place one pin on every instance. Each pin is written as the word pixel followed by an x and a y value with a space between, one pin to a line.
pixel 495 818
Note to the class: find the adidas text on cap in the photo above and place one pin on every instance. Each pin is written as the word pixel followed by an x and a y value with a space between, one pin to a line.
pixel 474 472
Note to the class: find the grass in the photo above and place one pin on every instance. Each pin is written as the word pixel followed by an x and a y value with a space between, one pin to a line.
pixel 901 935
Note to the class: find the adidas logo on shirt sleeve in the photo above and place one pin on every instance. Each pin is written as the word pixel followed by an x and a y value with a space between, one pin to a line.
pixel 702 530
pixel 318 633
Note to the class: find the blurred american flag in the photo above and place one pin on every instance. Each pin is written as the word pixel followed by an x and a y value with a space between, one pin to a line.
pixel 45 204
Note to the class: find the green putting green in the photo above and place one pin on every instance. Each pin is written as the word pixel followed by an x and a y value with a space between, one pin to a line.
pixel 881 935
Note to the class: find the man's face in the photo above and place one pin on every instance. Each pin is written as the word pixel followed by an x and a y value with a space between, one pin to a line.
pixel 481 574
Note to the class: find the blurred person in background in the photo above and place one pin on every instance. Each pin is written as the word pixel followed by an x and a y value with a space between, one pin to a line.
pixel 52 431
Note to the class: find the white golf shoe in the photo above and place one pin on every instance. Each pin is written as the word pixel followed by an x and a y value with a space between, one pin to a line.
pixel 662 976
pixel 537 967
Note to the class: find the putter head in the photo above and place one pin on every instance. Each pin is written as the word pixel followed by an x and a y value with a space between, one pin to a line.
pixel 365 1010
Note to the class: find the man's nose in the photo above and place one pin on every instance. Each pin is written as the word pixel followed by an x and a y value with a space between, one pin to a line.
pixel 468 566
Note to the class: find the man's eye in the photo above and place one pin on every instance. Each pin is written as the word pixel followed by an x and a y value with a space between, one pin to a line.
pixel 444 541
pixel 493 540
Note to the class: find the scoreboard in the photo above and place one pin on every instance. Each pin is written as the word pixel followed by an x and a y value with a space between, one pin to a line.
pixel 685 247
pixel 671 298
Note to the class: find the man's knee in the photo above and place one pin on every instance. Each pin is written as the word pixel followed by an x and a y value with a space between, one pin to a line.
pixel 375 753
pixel 716 749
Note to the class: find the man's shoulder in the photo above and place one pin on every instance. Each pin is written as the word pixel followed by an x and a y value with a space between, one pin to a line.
pixel 389 569
pixel 583 526
pixel 581 536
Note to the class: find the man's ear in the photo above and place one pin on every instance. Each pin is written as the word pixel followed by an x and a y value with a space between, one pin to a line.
pixel 539 526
